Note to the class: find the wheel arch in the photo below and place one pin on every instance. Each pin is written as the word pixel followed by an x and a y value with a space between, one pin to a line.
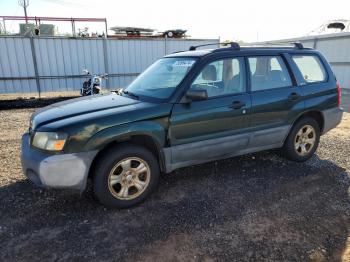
pixel 315 114
pixel 144 140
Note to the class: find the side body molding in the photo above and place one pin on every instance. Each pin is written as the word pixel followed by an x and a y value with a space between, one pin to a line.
pixel 224 147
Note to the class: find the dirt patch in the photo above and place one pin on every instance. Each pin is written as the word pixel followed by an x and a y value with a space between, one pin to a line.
pixel 30 103
pixel 35 95
pixel 344 127
pixel 258 207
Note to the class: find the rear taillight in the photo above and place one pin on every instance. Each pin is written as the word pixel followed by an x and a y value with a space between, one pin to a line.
pixel 339 94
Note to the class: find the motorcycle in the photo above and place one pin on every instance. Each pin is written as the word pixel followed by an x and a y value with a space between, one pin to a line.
pixel 92 84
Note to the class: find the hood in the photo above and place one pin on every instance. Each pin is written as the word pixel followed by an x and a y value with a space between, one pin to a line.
pixel 80 106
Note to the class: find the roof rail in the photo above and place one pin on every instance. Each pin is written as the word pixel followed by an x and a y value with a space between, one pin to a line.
pixel 234 45
pixel 298 45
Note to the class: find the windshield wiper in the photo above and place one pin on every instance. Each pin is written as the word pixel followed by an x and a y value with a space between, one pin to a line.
pixel 131 94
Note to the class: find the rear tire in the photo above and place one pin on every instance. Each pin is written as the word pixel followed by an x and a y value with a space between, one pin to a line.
pixel 302 141
pixel 125 176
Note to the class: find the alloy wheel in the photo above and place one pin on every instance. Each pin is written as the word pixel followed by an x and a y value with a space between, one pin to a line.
pixel 129 178
pixel 305 140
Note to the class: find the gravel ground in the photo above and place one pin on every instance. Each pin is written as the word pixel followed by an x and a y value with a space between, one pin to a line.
pixel 258 207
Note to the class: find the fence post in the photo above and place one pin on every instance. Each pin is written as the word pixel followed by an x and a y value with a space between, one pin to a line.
pixel 35 65
pixel 105 59
pixel 166 44
pixel 315 43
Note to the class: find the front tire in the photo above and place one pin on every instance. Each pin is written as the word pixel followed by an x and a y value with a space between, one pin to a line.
pixel 302 140
pixel 125 176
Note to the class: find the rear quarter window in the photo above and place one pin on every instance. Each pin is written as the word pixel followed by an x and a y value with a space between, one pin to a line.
pixel 310 67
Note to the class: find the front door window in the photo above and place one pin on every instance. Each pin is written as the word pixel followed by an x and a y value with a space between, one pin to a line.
pixel 222 77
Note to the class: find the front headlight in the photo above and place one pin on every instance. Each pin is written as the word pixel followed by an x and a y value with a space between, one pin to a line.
pixel 49 140
pixel 96 81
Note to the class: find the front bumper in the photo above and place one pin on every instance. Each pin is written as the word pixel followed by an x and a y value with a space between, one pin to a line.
pixel 332 117
pixel 55 171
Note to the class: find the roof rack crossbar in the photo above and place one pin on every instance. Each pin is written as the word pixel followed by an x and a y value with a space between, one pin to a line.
pixel 233 45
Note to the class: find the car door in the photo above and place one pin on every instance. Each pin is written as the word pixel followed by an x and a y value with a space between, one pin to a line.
pixel 276 100
pixel 214 127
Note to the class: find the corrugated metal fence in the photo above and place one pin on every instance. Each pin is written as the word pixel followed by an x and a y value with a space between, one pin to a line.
pixel 335 47
pixel 31 65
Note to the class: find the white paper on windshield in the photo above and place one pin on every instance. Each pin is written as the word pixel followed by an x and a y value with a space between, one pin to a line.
pixel 185 63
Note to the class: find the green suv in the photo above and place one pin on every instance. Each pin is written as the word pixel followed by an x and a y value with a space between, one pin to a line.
pixel 187 108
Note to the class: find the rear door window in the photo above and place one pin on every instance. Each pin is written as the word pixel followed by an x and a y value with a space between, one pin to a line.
pixel 268 72
pixel 310 67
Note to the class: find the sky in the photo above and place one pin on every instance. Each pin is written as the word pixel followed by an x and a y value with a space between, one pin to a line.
pixel 247 20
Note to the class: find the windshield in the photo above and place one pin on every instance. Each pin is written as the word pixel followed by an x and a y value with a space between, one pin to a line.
pixel 160 80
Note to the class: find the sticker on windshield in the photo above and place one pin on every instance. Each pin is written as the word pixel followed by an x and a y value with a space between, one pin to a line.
pixel 186 63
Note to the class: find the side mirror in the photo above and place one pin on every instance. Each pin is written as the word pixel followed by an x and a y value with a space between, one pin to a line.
pixel 196 95
pixel 85 72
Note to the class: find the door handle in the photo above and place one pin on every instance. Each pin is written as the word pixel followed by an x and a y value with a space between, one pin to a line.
pixel 293 96
pixel 237 105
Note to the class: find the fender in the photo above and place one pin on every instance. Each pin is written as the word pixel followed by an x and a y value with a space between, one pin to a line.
pixel 154 129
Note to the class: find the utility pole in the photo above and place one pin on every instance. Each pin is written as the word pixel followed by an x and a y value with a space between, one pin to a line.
pixel 24 4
